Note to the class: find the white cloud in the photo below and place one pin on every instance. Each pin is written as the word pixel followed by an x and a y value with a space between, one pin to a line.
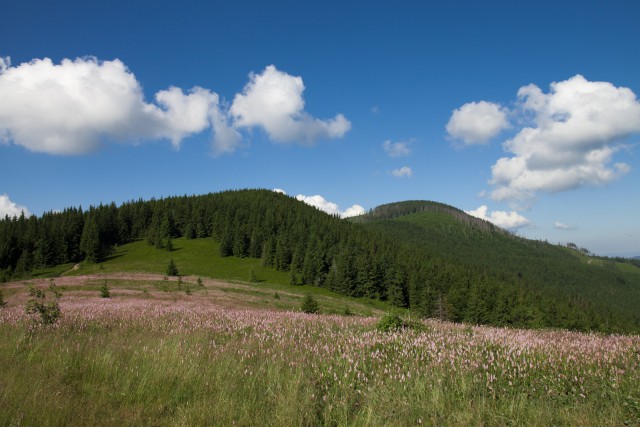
pixel 7 207
pixel 279 190
pixel 576 128
pixel 396 149
pixel 477 122
pixel 226 139
pixel 509 220
pixel 329 207
pixel 402 172
pixel 561 226
pixel 70 107
pixel 273 100
pixel 4 64
pixel 354 210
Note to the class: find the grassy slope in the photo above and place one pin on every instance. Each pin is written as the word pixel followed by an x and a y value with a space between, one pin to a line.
pixel 199 258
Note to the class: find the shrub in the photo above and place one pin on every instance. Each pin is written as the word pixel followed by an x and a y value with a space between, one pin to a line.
pixel 310 305
pixel 2 301
pixel 391 321
pixel 276 295
pixel 199 282
pixel 46 310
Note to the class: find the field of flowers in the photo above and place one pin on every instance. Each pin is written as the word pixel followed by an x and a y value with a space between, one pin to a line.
pixel 142 361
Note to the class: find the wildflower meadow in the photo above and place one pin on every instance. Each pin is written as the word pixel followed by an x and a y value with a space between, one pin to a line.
pixel 188 361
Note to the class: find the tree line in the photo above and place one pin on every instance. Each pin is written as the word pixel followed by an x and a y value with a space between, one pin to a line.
pixel 379 258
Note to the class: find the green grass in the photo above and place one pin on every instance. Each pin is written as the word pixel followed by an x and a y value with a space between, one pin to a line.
pixel 200 258
pixel 192 366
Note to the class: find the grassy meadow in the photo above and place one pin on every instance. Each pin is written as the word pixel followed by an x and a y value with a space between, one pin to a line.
pixel 171 351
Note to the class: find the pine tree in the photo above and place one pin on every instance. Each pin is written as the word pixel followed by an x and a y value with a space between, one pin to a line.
pixel 90 241
pixel 104 290
pixel 172 270
pixel 310 305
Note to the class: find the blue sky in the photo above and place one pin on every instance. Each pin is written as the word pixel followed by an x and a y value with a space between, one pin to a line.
pixel 525 113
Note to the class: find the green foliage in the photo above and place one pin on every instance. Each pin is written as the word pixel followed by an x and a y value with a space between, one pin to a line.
pixel 172 269
pixel 199 282
pixel 45 310
pixel 187 290
pixel 428 257
pixel 309 305
pixel 2 301
pixel 276 295
pixel 104 290
pixel 391 321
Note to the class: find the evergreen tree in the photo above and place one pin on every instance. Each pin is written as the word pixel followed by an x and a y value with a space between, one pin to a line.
pixel 104 290
pixel 172 269
pixel 310 305
pixel 90 242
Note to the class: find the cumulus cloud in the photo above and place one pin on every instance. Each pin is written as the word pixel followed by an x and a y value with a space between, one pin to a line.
pixel 68 108
pixel 396 149
pixel 509 220
pixel 329 207
pixel 477 122
pixel 574 132
pixel 279 190
pixel 273 101
pixel 404 171
pixel 7 207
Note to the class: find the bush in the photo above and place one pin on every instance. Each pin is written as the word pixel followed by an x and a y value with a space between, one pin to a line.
pixel 310 305
pixel 46 310
pixel 391 321
pixel 2 301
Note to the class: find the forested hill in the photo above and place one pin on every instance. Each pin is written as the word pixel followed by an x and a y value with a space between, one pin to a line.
pixel 400 209
pixel 429 257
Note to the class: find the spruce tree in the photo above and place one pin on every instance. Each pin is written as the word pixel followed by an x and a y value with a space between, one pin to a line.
pixel 172 270
pixel 310 305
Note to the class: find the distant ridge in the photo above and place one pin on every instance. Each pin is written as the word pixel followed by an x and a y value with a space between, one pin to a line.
pixel 399 209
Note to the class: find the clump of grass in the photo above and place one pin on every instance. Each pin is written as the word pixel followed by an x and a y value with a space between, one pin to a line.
pixel 276 295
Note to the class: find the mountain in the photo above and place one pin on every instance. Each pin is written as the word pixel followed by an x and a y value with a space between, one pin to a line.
pixel 431 258
pixel 453 236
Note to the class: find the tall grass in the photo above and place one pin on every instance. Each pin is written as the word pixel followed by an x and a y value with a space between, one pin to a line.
pixel 150 362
